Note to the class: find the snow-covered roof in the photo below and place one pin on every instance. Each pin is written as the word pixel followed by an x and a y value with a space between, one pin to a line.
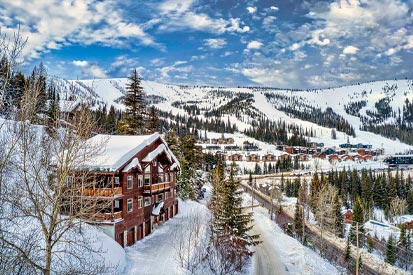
pixel 67 106
pixel 118 150
pixel 133 164
pixel 160 149
pixel 381 230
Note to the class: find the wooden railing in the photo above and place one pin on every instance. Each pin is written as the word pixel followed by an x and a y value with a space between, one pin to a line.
pixel 105 216
pixel 102 192
pixel 157 187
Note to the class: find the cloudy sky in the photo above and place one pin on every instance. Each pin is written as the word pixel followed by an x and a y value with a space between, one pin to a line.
pixel 279 43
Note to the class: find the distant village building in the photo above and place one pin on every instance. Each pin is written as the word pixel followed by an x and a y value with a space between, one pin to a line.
pixel 252 158
pixel 269 158
pixel 235 157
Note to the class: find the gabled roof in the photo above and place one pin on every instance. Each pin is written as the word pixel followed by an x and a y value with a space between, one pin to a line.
pixel 119 150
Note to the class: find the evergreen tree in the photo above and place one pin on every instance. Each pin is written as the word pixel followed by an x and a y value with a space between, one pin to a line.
pixel 298 219
pixel 18 85
pixel 186 188
pixel 390 251
pixel 370 244
pixel 111 121
pixel 153 121
pixel 133 122
pixel 54 109
pixel 358 218
pixel 338 221
pixel 172 141
pixel 231 226
pixel 250 178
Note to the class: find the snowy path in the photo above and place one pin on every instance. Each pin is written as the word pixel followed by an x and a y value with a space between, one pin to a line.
pixel 155 254
pixel 266 260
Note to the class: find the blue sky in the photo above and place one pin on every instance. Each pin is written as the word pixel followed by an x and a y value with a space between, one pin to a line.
pixel 278 43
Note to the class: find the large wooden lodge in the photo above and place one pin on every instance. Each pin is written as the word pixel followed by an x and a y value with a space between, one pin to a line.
pixel 134 179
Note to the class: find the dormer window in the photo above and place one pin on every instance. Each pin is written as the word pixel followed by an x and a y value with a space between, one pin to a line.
pixel 154 163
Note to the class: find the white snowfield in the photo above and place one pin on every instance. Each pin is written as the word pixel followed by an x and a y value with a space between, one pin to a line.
pixel 110 91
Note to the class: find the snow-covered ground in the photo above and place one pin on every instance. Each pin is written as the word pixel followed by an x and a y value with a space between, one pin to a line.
pixel 156 253
pixel 297 259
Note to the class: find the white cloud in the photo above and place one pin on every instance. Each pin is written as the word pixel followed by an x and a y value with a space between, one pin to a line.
pixel 215 43
pixel 274 8
pixel 319 39
pixel 267 21
pixel 176 6
pixel 391 51
pixel 251 9
pixel 80 63
pixel 274 77
pixel 51 24
pixel 96 72
pixel 296 46
pixel 254 45
pixel 350 50
pixel 179 16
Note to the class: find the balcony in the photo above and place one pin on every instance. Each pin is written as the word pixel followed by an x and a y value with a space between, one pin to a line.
pixel 102 192
pixel 105 217
pixel 153 188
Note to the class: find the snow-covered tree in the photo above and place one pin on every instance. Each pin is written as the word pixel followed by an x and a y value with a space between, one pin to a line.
pixel 390 251
pixel 231 226
pixel 133 122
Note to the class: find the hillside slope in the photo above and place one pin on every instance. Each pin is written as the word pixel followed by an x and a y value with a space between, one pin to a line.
pixel 373 103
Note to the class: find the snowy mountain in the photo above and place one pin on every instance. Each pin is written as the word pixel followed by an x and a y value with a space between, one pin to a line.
pixel 354 111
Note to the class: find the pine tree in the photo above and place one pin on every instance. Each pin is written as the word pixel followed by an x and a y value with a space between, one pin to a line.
pixel 370 244
pixel 298 219
pixel 111 121
pixel 172 141
pixel 153 121
pixel 186 188
pixel 390 251
pixel 231 225
pixel 358 218
pixel 338 221
pixel 133 122
pixel 18 85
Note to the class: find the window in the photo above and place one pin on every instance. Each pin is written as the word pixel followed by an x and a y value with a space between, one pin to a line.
pixel 147 179
pixel 155 163
pixel 140 181
pixel 116 204
pixel 130 205
pixel 166 195
pixel 140 202
pixel 147 202
pixel 171 176
pixel 69 180
pixel 129 182
pixel 116 180
pixel 166 177
pixel 160 197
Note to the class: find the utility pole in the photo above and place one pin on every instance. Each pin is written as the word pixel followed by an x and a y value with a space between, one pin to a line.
pixel 252 195
pixel 357 248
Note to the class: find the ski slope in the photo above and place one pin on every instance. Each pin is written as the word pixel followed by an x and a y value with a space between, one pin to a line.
pixel 110 91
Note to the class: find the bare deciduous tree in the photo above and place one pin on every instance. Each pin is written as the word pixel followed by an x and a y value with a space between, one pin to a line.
pixel 190 242
pixel 397 208
pixel 324 210
pixel 42 211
